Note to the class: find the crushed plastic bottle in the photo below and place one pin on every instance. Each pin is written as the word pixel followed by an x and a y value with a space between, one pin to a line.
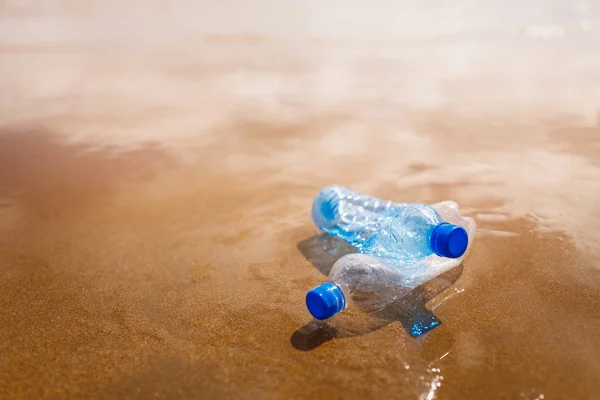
pixel 356 280
pixel 369 283
pixel 386 229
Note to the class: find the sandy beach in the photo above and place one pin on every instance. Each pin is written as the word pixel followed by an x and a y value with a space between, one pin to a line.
pixel 156 177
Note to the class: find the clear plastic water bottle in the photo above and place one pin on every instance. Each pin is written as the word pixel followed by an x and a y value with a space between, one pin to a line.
pixel 386 229
pixel 359 281
pixel 369 283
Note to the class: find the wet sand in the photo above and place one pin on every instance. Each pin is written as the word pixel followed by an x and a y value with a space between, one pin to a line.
pixel 155 236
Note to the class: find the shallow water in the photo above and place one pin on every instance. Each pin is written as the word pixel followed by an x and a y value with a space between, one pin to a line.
pixel 155 233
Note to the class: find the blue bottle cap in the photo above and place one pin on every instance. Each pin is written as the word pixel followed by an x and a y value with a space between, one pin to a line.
pixel 325 300
pixel 448 240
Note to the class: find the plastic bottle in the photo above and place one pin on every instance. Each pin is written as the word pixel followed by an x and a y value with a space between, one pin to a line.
pixel 356 281
pixel 369 283
pixel 386 229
